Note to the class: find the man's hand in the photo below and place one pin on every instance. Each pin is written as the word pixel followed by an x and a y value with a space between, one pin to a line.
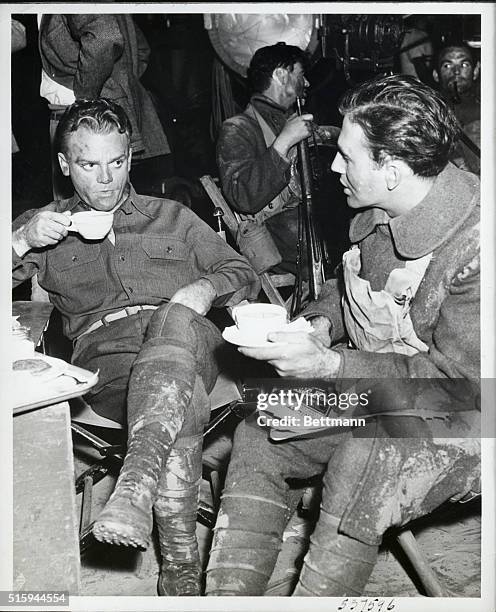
pixel 326 134
pixel 297 355
pixel 296 129
pixel 43 229
pixel 322 327
pixel 198 296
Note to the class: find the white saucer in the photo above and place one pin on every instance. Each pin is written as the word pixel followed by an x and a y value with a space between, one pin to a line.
pixel 233 335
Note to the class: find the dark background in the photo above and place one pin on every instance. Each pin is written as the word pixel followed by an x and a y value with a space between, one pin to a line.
pixel 179 78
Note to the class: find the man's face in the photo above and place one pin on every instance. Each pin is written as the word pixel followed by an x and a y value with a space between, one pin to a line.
pixel 363 179
pixel 98 165
pixel 294 84
pixel 456 66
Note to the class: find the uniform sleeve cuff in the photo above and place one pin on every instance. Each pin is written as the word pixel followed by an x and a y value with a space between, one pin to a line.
pixel 280 162
pixel 224 286
pixel 365 364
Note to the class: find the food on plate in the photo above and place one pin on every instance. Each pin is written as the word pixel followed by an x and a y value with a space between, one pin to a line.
pixel 33 366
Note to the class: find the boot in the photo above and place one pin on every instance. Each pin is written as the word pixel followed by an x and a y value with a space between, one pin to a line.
pixel 178 342
pixel 175 515
pixel 127 518
pixel 179 580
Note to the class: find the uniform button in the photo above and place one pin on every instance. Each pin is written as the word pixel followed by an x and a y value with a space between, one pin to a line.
pixel 130 289
pixel 169 249
pixel 271 205
pixel 74 258
pixel 122 258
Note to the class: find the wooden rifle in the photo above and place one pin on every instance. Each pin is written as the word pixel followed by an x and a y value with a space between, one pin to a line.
pixel 307 235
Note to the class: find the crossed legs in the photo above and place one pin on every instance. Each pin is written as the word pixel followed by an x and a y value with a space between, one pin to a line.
pixel 168 407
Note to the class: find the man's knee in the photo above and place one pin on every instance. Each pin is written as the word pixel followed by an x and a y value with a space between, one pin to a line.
pixel 170 319
pixel 177 327
pixel 252 452
pixel 256 470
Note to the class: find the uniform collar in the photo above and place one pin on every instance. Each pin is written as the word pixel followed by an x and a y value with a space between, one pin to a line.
pixel 275 114
pixel 132 202
pixel 451 200
pixel 263 100
pixel 75 202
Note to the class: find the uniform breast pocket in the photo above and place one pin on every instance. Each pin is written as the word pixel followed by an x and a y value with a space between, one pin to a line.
pixel 166 264
pixel 76 271
pixel 168 248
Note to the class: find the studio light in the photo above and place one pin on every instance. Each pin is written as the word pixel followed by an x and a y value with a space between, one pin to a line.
pixel 235 36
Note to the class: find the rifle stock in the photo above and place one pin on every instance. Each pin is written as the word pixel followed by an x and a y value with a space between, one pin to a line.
pixel 313 246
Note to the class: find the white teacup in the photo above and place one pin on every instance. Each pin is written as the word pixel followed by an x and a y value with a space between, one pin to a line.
pixel 255 321
pixel 92 224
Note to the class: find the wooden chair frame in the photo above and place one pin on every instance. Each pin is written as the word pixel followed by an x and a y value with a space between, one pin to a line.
pixel 270 282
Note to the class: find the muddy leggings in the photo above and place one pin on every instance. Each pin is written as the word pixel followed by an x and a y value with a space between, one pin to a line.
pixel 169 360
pixel 255 510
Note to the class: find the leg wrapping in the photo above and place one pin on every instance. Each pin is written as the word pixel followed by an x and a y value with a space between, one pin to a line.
pixel 246 543
pixel 157 404
pixel 175 514
pixel 336 565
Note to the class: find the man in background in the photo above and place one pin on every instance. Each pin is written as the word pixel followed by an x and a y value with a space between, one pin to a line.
pixel 17 42
pixel 88 56
pixel 256 150
pixel 457 73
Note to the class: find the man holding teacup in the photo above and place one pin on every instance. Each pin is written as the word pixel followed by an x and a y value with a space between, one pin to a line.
pixel 132 277
pixel 406 311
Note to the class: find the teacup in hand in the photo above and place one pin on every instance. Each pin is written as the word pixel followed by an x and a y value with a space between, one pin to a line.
pixel 92 224
pixel 255 321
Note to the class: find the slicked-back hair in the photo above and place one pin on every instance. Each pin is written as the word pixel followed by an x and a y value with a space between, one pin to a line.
pixel 99 115
pixel 452 45
pixel 406 119
pixel 267 59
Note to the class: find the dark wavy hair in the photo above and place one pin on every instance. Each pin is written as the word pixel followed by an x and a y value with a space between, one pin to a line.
pixel 402 117
pixel 267 59
pixel 99 115
pixel 452 44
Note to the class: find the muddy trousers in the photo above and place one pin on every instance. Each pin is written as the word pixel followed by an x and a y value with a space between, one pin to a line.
pixel 254 512
pixel 168 407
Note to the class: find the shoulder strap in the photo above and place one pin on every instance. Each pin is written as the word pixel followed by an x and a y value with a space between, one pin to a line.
pixel 267 131
pixel 278 203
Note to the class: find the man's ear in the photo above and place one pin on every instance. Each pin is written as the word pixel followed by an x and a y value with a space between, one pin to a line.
pixel 476 71
pixel 394 172
pixel 435 75
pixel 280 75
pixel 64 164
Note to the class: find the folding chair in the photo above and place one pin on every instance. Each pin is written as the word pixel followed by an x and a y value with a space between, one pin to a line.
pixel 223 397
pixel 410 547
pixel 61 185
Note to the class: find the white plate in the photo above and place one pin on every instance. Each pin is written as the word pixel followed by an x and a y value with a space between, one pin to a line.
pixel 32 393
pixel 58 367
pixel 232 335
